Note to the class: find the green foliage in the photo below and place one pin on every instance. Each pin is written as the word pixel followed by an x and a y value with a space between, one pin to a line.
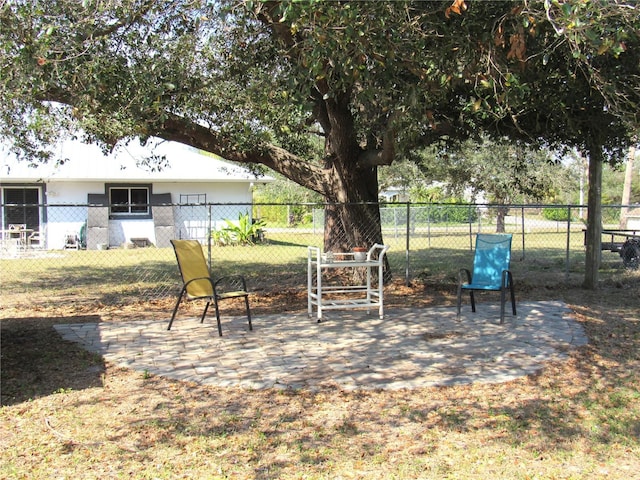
pixel 221 237
pixel 133 68
pixel 284 202
pixel 600 36
pixel 455 211
pixel 244 231
pixel 404 174
pixel 611 216
pixel 285 215
pixel 556 214
pixel 422 193
pixel 452 213
pixel 500 171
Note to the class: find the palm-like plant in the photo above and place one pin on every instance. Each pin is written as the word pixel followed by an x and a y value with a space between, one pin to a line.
pixel 245 231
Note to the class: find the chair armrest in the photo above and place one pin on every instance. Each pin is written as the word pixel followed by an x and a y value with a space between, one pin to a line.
pixel 193 290
pixel 464 276
pixel 235 283
pixel 507 278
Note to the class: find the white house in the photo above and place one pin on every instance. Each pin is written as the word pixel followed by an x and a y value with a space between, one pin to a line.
pixel 112 199
pixel 394 194
pixel 633 219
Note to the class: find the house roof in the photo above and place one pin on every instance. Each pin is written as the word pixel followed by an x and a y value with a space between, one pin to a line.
pixel 87 162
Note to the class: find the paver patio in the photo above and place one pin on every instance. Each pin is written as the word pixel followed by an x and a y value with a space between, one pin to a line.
pixel 409 348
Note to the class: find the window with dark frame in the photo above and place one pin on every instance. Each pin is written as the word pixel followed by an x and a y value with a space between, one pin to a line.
pixel 20 206
pixel 129 200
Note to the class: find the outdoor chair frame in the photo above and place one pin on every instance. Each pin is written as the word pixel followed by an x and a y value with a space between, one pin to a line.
pixel 198 283
pixel 491 271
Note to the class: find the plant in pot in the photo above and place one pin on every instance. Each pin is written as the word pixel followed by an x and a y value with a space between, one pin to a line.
pixel 359 254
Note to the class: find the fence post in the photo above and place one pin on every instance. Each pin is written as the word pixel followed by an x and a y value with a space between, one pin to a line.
pixel 470 230
pixel 408 244
pixel 208 233
pixel 470 222
pixel 313 220
pixel 523 232
pixel 566 267
pixel 429 206
pixel 313 216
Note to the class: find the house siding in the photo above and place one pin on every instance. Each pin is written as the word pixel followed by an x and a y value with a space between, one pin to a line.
pixel 67 212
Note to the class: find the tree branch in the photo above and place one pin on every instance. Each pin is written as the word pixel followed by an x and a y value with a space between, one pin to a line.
pixel 386 154
pixel 178 129
pixel 125 22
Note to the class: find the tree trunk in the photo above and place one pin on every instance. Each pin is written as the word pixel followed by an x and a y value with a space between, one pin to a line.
pixel 594 217
pixel 353 221
pixel 352 213
pixel 500 218
pixel 351 225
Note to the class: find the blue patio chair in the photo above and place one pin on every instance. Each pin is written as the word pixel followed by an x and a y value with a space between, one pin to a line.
pixel 490 271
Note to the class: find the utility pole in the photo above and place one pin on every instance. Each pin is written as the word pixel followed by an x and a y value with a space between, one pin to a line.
pixel 626 189
pixel 582 165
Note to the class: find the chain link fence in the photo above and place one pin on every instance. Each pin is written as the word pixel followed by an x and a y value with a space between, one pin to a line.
pixel 73 253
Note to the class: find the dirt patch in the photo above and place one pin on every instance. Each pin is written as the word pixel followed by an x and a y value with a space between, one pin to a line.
pixel 440 336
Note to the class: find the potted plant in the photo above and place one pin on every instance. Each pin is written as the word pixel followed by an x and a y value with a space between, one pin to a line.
pixel 359 254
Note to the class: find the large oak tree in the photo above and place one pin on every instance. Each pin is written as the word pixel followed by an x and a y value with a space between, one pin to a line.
pixel 323 92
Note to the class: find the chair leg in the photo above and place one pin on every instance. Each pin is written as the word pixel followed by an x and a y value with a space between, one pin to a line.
pixel 464 276
pixel 246 303
pixel 473 300
pixel 175 309
pixel 503 300
pixel 204 314
pixel 248 310
pixel 513 296
pixel 215 304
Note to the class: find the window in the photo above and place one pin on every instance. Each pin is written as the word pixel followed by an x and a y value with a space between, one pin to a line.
pixel 129 200
pixel 197 198
pixel 20 206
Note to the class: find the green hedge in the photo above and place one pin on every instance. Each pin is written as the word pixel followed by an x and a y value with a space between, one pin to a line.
pixel 557 214
pixel 441 213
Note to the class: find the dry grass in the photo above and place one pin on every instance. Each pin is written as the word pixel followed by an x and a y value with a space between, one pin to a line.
pixel 66 414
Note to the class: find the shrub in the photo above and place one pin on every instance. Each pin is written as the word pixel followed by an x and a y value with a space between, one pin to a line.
pixel 243 232
pixel 448 213
pixel 557 214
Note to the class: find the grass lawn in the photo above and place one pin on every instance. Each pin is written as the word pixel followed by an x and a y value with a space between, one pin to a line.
pixel 67 414
pixel 122 276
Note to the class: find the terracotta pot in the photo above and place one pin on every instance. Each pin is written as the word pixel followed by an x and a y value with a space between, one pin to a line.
pixel 359 254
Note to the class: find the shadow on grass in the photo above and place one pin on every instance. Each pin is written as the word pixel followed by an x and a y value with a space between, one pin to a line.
pixel 36 362
pixel 283 243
